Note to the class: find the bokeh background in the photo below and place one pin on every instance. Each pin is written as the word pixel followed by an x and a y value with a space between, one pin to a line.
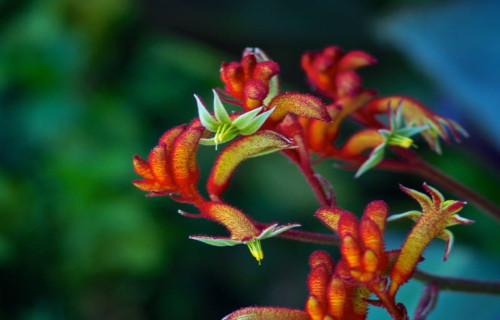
pixel 84 85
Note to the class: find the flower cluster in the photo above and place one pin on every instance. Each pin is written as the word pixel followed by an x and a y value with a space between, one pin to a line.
pixel 300 125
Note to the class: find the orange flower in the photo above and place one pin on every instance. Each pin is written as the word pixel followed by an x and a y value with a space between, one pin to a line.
pixel 415 114
pixel 332 294
pixel 436 215
pixel 171 167
pixel 362 244
pixel 331 72
pixel 253 83
pixel 249 81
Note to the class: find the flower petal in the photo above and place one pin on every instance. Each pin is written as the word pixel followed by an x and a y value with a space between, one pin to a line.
pixel 267 313
pixel 185 170
pixel 238 224
pixel 216 241
pixel 355 60
pixel 300 104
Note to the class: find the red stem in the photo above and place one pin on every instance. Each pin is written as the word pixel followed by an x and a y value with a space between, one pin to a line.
pixel 389 303
pixel 459 284
pixel 303 161
pixel 416 165
pixel 305 236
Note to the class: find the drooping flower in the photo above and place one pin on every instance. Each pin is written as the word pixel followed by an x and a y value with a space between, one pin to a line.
pixel 260 143
pixel 252 81
pixel 432 222
pixel 242 229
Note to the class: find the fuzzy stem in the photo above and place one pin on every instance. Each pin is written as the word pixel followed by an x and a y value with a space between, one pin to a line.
pixel 429 172
pixel 427 301
pixel 389 303
pixel 459 284
pixel 303 161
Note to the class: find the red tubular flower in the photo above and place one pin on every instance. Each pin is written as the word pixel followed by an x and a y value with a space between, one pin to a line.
pixel 321 135
pixel 253 83
pixel 243 230
pixel 332 293
pixel 331 72
pixel 171 167
pixel 432 222
pixel 260 143
pixel 362 243
pixel 248 81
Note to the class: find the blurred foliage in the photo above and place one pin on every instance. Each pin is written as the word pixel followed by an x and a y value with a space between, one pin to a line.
pixel 86 84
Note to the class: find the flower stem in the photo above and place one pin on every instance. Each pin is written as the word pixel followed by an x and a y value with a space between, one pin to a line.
pixel 303 161
pixel 305 236
pixel 415 165
pixel 459 284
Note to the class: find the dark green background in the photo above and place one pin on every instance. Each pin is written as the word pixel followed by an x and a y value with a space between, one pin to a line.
pixel 84 85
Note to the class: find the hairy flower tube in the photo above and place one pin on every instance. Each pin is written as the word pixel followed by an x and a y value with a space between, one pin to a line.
pixel 252 83
pixel 171 167
pixel 362 243
pixel 301 127
pixel 331 72
pixel 226 128
pixel 432 222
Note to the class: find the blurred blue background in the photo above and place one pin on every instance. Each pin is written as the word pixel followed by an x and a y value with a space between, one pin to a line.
pixel 84 85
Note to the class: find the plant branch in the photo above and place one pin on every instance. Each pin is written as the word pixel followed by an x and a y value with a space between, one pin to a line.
pixel 459 284
pixel 305 236
pixel 415 165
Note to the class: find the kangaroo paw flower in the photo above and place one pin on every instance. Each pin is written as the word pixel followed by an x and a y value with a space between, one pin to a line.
pixel 241 228
pixel 436 215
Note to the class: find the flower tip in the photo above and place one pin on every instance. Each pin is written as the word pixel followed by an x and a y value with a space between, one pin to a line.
pixel 256 250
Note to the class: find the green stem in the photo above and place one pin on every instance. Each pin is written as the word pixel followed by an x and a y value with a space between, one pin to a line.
pixel 459 284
